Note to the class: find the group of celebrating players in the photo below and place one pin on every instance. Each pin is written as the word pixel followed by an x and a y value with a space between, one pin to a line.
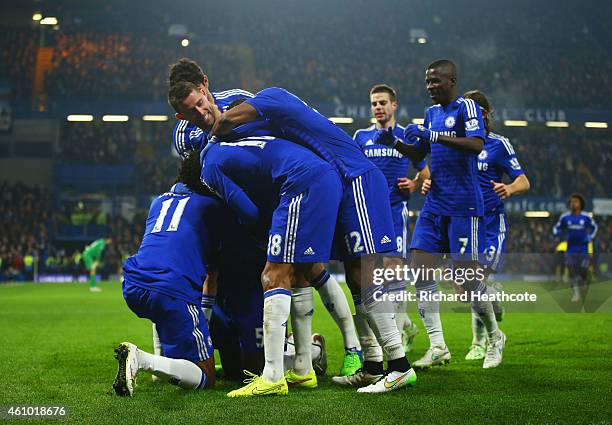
pixel 269 191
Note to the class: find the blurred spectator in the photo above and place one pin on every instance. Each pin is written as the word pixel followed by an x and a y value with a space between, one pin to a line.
pixel 25 215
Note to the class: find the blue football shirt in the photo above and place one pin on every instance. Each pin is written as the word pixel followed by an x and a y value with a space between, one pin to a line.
pixel 496 159
pixel 249 174
pixel 577 229
pixel 455 189
pixel 392 163
pixel 181 239
pixel 302 124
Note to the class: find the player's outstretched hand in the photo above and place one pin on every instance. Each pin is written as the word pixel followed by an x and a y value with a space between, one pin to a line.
pixel 419 131
pixel 502 190
pixel 425 187
pixel 385 137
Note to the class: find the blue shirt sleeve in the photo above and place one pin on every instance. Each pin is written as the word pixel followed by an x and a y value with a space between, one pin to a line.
pixel 472 119
pixel 509 162
pixel 357 138
pixel 593 227
pixel 187 137
pixel 560 226
pixel 419 165
pixel 270 102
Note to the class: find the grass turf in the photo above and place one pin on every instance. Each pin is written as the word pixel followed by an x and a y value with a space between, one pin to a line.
pixel 58 341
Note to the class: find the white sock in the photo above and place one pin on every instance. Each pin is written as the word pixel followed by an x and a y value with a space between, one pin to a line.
pixel 372 351
pixel 289 354
pixel 380 316
pixel 277 303
pixel 479 333
pixel 179 372
pixel 494 288
pixel 399 307
pixel 336 303
pixel 429 311
pixel 401 318
pixel 302 308
pixel 485 313
pixel 157 349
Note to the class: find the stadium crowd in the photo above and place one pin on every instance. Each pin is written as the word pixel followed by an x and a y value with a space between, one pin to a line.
pixel 25 216
pixel 127 62
pixel 30 225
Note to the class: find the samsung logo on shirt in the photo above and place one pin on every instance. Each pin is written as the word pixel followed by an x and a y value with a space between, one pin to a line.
pixel 382 152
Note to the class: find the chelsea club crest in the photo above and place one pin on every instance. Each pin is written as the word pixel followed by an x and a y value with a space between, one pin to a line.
pixel 449 122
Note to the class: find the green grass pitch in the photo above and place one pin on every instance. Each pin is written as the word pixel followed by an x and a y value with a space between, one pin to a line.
pixel 58 340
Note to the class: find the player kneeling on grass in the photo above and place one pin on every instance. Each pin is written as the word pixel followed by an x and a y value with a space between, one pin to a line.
pixel 163 283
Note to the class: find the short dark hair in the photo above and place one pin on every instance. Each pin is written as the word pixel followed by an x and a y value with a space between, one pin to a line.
pixel 383 88
pixel 185 69
pixel 190 172
pixel 481 99
pixel 446 64
pixel 178 92
pixel 580 198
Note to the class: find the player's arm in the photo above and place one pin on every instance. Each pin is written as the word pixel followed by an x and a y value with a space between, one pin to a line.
pixel 234 117
pixel 273 104
pixel 422 175
pixel 511 166
pixel 519 186
pixel 466 144
pixel 560 226
pixel 593 227
pixel 209 294
pixel 236 199
pixel 410 185
pixel 472 142
pixel 415 151
pixel 210 284
pixel 410 146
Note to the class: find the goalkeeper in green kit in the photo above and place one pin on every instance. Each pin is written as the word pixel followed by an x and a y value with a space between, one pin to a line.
pixel 91 258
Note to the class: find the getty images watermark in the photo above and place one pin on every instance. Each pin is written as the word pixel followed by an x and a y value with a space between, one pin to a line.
pixel 389 277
